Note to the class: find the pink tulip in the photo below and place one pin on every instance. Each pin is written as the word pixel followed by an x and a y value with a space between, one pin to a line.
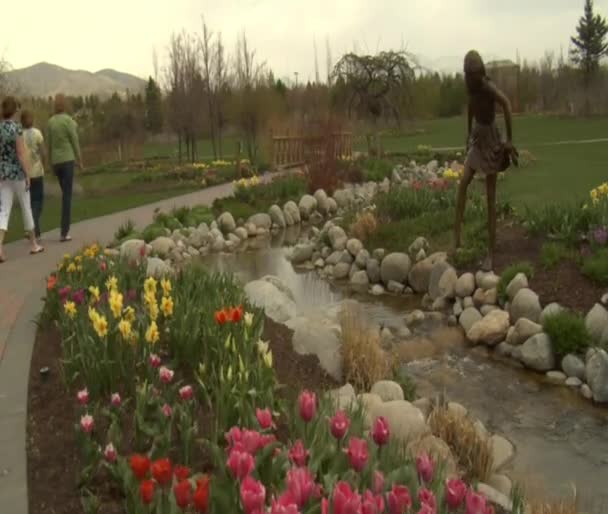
pixel 241 464
pixel 301 485
pixel 455 492
pixel 425 467
pixel 87 423
pixel 110 453
pixel 284 507
pixel 186 393
pixel 475 503
pixel 298 454
pixel 357 453
pixel 426 497
pixel 166 375
pixel 233 436
pixel 253 495
pixel 116 400
pixel 372 504
pixel 308 405
pixel 378 482
pixel 154 360
pixel 381 431
pixel 324 506
pixel 345 500
pixel 83 396
pixel 339 425
pixel 167 410
pixel 425 508
pixel 264 418
pixel 399 500
pixel 251 441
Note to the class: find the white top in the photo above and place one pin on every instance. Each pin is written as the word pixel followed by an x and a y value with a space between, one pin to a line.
pixel 34 142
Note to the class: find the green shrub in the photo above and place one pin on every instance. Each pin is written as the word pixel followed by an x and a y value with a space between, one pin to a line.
pixel 509 274
pixel 181 214
pixel 551 254
pixel 596 267
pixel 151 232
pixel 376 170
pixel 568 333
pixel 125 230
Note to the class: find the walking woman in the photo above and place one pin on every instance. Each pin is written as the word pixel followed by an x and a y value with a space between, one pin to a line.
pixel 487 153
pixel 14 175
pixel 36 156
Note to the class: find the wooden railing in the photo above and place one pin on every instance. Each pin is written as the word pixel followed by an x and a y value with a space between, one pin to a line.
pixel 289 151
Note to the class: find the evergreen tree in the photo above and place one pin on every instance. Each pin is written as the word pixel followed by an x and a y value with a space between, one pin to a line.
pixel 154 113
pixel 590 43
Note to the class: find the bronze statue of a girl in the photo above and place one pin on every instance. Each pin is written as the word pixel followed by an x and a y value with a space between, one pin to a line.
pixel 486 152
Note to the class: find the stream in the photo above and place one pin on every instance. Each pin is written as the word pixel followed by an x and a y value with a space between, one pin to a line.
pixel 561 440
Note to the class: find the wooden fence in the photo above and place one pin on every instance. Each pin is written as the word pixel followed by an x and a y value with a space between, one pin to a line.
pixel 289 151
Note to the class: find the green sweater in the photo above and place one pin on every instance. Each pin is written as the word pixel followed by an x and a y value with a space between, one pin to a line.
pixel 62 139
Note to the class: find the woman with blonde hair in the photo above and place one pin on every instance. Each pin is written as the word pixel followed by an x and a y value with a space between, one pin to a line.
pixel 14 175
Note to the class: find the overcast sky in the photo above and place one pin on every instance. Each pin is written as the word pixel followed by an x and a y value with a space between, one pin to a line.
pixel 122 34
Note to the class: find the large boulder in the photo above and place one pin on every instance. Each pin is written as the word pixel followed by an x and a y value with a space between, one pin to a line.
pixel 354 246
pixel 573 366
pixel 291 209
pixel 307 206
pixel 134 250
pixel 277 217
pixel 437 272
pixel 157 268
pixel 519 282
pixel 447 283
pixel 420 274
pixel 362 258
pixel 596 321
pixel 468 318
pixel 280 285
pixel 523 330
pixel 226 222
pixel 395 267
pixel 344 197
pixel 597 375
pixel 360 280
pixel 318 338
pixel 198 237
pixel 276 304
pixel 487 280
pixel 537 353
pixel 322 201
pixel 261 220
pixel 525 305
pixel 438 450
pixel 406 421
pixel 241 233
pixel 503 452
pixel 490 330
pixel 162 246
pixel 341 270
pixel 388 390
pixel 465 285
pixel 302 253
pixel 337 237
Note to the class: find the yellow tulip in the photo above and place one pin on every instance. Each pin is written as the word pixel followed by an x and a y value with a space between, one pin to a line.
pixel 125 329
pixel 93 314
pixel 153 311
pixel 115 302
pixel 70 309
pixel 95 293
pixel 165 284
pixel 150 286
pixel 112 283
pixel 130 314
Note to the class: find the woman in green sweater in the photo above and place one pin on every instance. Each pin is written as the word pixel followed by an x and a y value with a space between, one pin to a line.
pixel 64 154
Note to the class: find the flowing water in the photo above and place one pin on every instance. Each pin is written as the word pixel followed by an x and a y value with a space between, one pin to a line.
pixel 560 438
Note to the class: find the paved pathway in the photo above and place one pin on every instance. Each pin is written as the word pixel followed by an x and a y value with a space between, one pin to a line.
pixel 21 289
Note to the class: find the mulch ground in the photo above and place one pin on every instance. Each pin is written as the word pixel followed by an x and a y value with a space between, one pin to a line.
pixel 53 462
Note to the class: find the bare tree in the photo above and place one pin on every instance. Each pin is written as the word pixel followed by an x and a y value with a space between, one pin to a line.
pixel 207 70
pixel 221 87
pixel 328 61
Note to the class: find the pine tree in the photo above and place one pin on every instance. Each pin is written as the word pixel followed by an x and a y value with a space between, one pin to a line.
pixel 154 113
pixel 590 44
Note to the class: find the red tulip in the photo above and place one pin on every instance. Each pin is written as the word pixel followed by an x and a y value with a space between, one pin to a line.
pixel 241 464
pixel 308 405
pixel 221 317
pixel 298 454
pixel 162 471
pixel 181 472
pixel 301 485
pixel 264 418
pixel 183 494
pixel 455 492
pixel 140 464
pixel 339 425
pixel 378 482
pixel 146 491
pixel 345 500
pixel 201 495
pixel 425 467
pixel 372 504
pixel 253 495
pixel 186 393
pixel 381 431
pixel 357 453
pixel 475 503
pixel 236 314
pixel 426 497
pixel 399 499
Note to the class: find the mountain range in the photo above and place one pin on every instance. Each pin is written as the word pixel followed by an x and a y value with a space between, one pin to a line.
pixel 44 79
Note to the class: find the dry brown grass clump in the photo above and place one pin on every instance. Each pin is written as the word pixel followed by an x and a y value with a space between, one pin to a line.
pixel 562 506
pixel 472 450
pixel 364 226
pixel 364 360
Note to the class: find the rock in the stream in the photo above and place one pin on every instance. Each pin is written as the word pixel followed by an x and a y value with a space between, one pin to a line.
pixel 597 375
pixel 395 287
pixel 302 253
pixel 596 321
pixel 276 304
pixel 586 392
pixel 277 216
pixel 360 279
pixel 241 233
pixel 226 222
pixel 337 237
pixel 537 353
pixel 414 317
pixel 523 330
pixel 437 272
pixel 420 274
pixel 465 285
pixel 526 305
pixel 504 349
pixel 377 290
pixel 574 382
pixel 519 282
pixel 292 211
pixel 341 270
pixel 307 206
pixel 198 237
pixel 503 451
pixel 261 220
pixel 468 318
pixel 395 267
pixel 388 390
pixel 573 366
pixel 457 309
pixel 373 271
pixel 490 330
pixel 556 377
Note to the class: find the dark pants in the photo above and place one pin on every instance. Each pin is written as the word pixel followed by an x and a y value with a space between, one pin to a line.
pixel 65 174
pixel 37 199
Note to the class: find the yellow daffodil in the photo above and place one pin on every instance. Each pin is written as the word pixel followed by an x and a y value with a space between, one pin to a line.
pixel 166 306
pixel 70 309
pixel 268 359
pixel 130 314
pixel 66 256
pixel 71 268
pixel 95 293
pixel 115 302
pixel 101 326
pixel 150 285
pixel 78 259
pixel 93 314
pixel 248 319
pixel 112 283
pixel 165 285
pixel 125 329
pixel 149 298
pixel 152 334
pixel 153 311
